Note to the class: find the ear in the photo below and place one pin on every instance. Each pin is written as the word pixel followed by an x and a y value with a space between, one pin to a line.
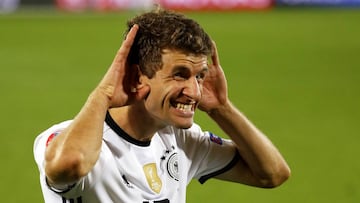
pixel 141 84
pixel 141 80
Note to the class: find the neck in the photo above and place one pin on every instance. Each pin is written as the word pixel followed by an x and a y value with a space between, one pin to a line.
pixel 136 122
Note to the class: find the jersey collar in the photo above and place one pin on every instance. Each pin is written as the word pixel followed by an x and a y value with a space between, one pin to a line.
pixel 118 130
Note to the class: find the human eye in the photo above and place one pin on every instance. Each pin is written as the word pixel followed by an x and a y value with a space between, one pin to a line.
pixel 201 76
pixel 178 76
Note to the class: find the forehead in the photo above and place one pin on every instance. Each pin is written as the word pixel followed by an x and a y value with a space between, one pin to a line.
pixel 173 57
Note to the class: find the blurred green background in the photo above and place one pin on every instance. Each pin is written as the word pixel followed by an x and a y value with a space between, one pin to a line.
pixel 294 72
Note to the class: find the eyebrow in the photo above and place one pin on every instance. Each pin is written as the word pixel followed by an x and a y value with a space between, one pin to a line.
pixel 205 69
pixel 185 68
pixel 180 68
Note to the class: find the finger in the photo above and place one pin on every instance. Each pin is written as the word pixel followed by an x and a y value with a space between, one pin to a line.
pixel 215 56
pixel 124 50
pixel 118 65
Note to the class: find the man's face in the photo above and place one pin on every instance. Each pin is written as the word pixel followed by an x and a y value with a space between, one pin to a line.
pixel 176 88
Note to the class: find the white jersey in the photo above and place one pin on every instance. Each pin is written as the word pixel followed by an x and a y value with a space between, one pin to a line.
pixel 131 171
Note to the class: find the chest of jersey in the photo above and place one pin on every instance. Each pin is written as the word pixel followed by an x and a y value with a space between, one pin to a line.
pixel 141 173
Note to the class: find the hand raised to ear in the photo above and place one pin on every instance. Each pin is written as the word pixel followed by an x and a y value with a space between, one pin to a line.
pixel 116 85
pixel 215 85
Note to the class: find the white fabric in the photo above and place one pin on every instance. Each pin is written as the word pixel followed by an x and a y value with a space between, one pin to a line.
pixel 175 155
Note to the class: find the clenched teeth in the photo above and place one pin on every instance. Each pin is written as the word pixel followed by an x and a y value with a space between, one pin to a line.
pixel 184 107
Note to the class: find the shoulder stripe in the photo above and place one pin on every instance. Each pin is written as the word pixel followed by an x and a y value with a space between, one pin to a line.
pixel 232 163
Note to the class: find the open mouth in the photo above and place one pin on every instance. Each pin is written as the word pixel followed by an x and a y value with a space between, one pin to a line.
pixel 188 107
pixel 184 107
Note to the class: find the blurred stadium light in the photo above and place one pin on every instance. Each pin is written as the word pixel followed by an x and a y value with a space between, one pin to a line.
pixel 7 6
pixel 172 4
pixel 338 3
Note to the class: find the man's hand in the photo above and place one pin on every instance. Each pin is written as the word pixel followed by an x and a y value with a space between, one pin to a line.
pixel 214 92
pixel 261 163
pixel 77 148
pixel 117 84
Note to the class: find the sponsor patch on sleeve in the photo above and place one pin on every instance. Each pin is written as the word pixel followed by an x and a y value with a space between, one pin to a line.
pixel 216 139
pixel 51 137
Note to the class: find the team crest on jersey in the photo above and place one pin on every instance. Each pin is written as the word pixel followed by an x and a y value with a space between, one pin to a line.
pixel 216 139
pixel 173 167
pixel 152 177
pixel 169 162
pixel 52 136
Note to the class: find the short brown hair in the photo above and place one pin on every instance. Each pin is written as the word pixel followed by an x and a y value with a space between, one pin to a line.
pixel 163 29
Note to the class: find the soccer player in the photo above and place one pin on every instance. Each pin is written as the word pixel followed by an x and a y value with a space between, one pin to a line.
pixel 135 141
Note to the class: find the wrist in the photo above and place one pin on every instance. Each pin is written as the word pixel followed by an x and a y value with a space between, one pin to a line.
pixel 221 109
pixel 98 101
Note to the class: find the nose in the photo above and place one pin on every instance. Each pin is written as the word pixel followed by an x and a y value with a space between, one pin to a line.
pixel 192 88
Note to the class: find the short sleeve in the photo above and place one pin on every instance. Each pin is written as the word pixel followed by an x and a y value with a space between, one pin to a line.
pixel 42 141
pixel 67 191
pixel 209 154
pixel 40 144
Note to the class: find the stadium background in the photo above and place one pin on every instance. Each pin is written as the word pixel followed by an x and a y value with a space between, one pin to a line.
pixel 294 69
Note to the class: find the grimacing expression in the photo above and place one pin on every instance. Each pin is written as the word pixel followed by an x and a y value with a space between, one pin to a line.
pixel 176 89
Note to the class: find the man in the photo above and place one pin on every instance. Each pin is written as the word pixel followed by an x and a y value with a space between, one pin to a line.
pixel 134 140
